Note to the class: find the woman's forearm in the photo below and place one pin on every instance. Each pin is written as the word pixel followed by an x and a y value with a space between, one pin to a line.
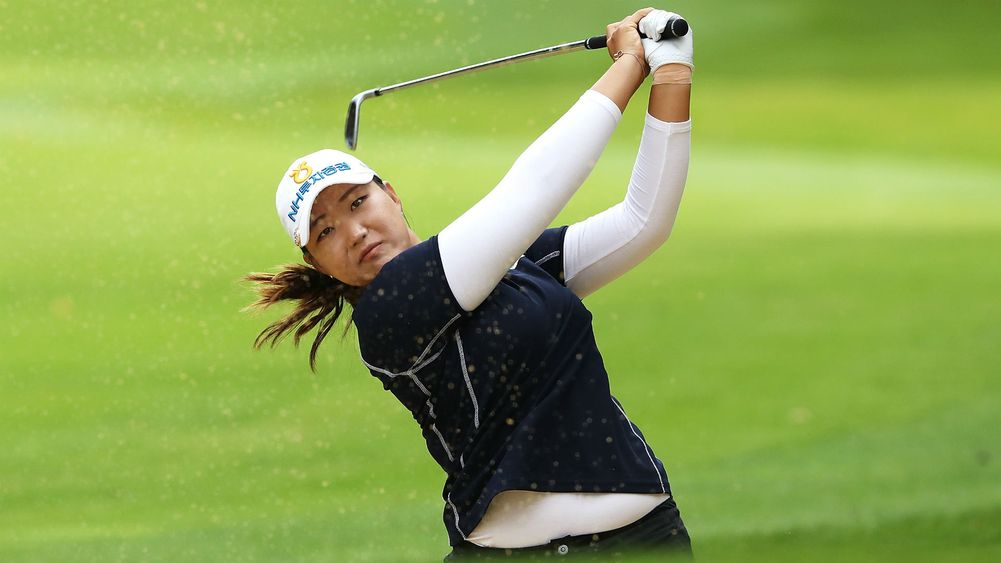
pixel 670 102
pixel 604 246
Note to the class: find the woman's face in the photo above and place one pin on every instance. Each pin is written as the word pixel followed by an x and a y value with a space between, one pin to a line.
pixel 355 229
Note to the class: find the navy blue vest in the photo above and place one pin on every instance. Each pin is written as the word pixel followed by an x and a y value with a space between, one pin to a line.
pixel 512 395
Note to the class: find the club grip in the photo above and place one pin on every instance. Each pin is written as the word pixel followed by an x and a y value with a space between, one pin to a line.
pixel 676 27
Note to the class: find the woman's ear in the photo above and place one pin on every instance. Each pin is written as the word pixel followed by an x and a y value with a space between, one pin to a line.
pixel 392 193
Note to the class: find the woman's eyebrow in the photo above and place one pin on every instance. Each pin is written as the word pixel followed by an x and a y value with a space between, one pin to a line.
pixel 317 220
pixel 347 193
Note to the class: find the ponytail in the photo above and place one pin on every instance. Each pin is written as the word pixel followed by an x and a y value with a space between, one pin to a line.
pixel 320 302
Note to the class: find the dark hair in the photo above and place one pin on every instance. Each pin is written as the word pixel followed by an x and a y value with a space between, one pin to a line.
pixel 320 297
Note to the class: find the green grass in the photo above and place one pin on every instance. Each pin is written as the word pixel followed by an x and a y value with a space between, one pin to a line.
pixel 813 354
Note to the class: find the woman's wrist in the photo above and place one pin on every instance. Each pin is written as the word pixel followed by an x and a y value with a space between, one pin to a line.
pixel 621 80
pixel 620 55
pixel 672 73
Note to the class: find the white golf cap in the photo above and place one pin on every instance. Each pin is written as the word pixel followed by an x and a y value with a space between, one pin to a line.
pixel 308 176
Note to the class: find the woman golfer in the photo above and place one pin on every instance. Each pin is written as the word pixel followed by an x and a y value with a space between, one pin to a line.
pixel 480 331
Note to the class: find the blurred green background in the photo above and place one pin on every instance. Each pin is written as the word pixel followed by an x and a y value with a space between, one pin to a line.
pixel 814 354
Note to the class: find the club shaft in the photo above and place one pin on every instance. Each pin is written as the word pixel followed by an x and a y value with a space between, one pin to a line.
pixel 676 27
pixel 536 54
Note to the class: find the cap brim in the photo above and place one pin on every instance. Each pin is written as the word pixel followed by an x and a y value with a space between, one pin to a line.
pixel 306 207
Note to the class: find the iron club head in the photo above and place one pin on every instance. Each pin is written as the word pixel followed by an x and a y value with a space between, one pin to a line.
pixel 354 117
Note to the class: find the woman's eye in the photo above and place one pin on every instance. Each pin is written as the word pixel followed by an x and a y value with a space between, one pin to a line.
pixel 357 201
pixel 323 233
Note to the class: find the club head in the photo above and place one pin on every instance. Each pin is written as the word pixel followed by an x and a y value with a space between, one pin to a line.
pixel 354 118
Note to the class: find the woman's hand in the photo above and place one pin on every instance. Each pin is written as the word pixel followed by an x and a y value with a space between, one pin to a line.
pixel 624 38
pixel 675 50
pixel 670 62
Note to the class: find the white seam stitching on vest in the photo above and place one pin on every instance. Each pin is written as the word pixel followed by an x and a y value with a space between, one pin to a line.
pixel 455 512
pixel 411 369
pixel 469 384
pixel 646 448
pixel 547 257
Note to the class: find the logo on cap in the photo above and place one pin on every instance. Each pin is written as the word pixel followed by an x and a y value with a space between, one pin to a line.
pixel 309 179
pixel 303 169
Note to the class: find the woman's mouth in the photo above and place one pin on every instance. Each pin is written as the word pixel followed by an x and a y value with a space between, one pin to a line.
pixel 370 251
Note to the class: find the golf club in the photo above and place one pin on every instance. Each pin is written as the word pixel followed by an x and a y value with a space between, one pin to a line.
pixel 675 27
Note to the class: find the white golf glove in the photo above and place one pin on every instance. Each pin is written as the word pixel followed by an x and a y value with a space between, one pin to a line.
pixel 671 50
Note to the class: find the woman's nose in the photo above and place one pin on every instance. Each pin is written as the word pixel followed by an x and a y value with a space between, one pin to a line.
pixel 357 232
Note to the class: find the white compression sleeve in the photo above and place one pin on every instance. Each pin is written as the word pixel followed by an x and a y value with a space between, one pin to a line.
pixel 478 248
pixel 603 247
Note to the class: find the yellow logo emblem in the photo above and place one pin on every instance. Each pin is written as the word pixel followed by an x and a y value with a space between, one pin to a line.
pixel 302 173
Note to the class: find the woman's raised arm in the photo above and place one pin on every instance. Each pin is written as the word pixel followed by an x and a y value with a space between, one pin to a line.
pixel 480 246
pixel 605 246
